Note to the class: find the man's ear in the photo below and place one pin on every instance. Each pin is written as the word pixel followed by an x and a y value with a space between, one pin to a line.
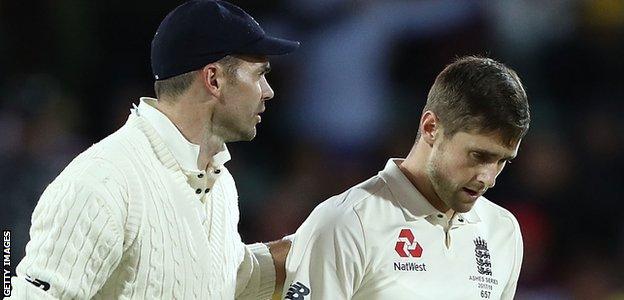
pixel 212 78
pixel 429 127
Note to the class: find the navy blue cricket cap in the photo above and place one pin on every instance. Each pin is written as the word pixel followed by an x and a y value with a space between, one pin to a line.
pixel 200 32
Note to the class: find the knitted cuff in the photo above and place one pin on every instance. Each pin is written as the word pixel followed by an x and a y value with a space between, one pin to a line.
pixel 266 284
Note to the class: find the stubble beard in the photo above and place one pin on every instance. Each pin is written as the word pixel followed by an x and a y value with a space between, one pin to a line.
pixel 233 128
pixel 248 135
pixel 441 185
pixel 236 132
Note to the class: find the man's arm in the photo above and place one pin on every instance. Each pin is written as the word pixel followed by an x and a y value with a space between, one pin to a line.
pixel 256 273
pixel 261 272
pixel 76 243
pixel 279 252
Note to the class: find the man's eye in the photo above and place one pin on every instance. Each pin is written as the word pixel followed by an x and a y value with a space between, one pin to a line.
pixel 477 156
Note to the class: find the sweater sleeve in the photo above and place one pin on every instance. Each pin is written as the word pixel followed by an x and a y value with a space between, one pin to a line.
pixel 75 244
pixel 256 273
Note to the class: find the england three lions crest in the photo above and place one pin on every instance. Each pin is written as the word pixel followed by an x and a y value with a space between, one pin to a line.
pixel 484 265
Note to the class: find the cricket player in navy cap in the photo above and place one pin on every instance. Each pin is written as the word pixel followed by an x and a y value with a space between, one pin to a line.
pixel 151 211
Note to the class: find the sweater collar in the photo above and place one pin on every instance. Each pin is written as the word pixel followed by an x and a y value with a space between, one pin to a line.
pixel 184 152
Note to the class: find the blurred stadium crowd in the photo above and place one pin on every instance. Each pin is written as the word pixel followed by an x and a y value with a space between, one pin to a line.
pixel 346 101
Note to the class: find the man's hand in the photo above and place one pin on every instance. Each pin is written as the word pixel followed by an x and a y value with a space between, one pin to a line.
pixel 279 252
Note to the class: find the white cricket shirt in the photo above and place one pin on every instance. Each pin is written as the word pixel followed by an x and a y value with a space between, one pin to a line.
pixel 383 240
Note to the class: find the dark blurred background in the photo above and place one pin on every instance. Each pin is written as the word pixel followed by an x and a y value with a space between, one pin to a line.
pixel 347 100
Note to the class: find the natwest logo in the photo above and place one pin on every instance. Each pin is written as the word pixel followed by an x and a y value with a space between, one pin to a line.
pixel 406 246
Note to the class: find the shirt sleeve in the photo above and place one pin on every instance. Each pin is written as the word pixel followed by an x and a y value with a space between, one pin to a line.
pixel 75 244
pixel 510 288
pixel 327 257
pixel 256 273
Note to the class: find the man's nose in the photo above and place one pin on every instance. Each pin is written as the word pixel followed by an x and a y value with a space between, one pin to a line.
pixel 487 176
pixel 267 91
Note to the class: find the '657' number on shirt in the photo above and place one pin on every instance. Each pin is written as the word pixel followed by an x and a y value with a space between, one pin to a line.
pixel 485 294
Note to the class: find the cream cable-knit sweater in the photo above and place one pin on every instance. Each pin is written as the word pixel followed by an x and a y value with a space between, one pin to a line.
pixel 121 222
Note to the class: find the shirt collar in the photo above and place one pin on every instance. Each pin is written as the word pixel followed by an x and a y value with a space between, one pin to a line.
pixel 413 203
pixel 184 152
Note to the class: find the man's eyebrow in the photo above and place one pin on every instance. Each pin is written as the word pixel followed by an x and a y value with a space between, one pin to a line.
pixel 492 154
pixel 509 157
pixel 265 68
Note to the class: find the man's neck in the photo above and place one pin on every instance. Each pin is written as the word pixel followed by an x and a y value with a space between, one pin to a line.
pixel 194 120
pixel 207 149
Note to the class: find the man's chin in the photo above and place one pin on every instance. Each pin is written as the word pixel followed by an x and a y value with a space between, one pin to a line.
pixel 242 136
pixel 463 207
pixel 249 135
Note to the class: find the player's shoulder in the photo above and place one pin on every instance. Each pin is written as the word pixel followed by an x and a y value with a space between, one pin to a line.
pixel 356 195
pixel 343 209
pixel 126 142
pixel 495 215
pixel 103 160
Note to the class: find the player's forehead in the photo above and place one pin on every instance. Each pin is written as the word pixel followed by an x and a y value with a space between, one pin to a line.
pixel 254 61
pixel 489 142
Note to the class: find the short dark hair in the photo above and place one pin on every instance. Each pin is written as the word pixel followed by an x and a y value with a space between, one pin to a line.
pixel 480 94
pixel 174 86
pixel 177 85
pixel 230 63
